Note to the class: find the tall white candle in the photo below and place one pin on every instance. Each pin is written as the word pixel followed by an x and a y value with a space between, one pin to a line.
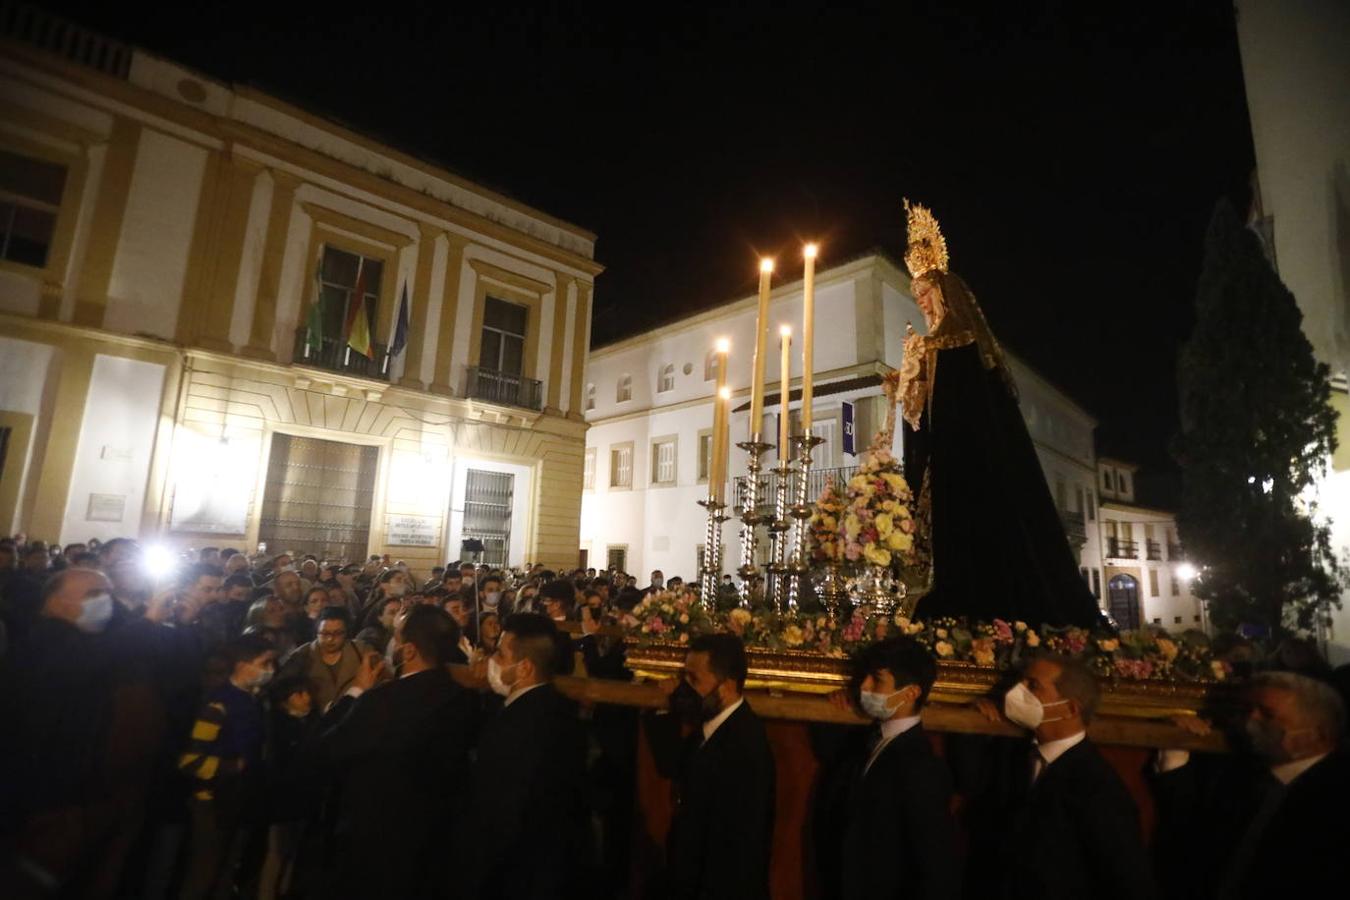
pixel 718 466
pixel 761 336
pixel 784 448
pixel 808 333
pixel 722 444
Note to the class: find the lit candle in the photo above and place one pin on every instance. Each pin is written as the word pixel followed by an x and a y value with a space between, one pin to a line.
pixel 784 448
pixel 808 333
pixel 717 467
pixel 721 445
pixel 761 339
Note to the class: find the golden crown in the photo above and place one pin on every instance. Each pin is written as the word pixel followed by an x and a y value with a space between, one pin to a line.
pixel 927 248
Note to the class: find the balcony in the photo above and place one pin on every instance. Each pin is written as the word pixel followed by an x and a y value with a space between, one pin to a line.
pixel 502 388
pixel 36 27
pixel 1175 552
pixel 1074 529
pixel 1154 550
pixel 1121 549
pixel 814 485
pixel 334 355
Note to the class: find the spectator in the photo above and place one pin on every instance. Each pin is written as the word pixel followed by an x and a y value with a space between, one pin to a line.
pixel 224 760
pixel 330 662
pixel 379 628
pixel 720 836
pixel 287 588
pixel 526 785
pixel 558 597
pixel 400 749
pixel 294 788
pixel 316 598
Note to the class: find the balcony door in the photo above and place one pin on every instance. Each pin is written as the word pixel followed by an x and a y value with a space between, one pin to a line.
pixel 488 498
pixel 1123 597
pixel 318 498
pixel 502 347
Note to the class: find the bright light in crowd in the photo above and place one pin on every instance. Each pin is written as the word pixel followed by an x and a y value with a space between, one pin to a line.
pixel 1186 572
pixel 766 265
pixel 810 251
pixel 159 561
pixel 723 345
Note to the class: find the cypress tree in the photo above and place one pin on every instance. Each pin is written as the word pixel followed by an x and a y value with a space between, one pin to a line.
pixel 1257 430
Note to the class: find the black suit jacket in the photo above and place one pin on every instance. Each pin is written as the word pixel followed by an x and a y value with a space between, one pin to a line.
pixel 1205 807
pixel 900 839
pixel 521 834
pixel 1074 834
pixel 722 830
pixel 399 752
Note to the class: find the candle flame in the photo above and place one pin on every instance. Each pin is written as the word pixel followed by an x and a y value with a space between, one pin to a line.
pixel 723 345
pixel 766 265
pixel 785 330
pixel 725 393
pixel 810 251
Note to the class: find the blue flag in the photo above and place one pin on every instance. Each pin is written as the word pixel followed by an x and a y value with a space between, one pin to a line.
pixel 401 329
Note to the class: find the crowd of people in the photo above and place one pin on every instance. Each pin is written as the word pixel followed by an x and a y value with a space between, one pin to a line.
pixel 219 724
pixel 223 725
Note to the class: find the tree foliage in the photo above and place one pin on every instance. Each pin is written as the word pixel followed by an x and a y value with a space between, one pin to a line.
pixel 1257 430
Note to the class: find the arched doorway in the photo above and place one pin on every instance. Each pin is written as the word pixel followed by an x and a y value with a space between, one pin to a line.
pixel 1123 595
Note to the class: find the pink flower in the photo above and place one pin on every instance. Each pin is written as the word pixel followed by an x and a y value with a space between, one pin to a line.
pixel 1002 632
pixel 657 625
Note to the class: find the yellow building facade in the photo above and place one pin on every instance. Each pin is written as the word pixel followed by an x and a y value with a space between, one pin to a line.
pixel 182 265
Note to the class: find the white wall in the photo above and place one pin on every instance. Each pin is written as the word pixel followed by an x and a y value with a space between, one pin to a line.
pixel 116 438
pixel 25 385
pixel 146 287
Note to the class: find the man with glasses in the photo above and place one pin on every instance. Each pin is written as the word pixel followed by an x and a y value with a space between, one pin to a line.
pixel 330 662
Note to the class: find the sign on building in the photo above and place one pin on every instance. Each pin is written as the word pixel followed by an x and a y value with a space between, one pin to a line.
pixel 412 531
pixel 848 419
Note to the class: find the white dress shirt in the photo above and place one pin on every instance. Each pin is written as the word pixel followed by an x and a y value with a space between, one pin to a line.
pixel 716 721
pixel 1052 750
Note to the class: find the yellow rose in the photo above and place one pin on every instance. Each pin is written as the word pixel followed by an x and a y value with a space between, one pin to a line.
pixel 1109 645
pixel 898 540
pixel 902 621
pixel 684 638
pixel 792 636
pixel 1167 649
pixel 829 523
pixel 942 633
pixel 857 482
pixel 894 481
pixel 984 657
pixel 851 527
pixel 943 649
pixel 740 616
pixel 684 618
pixel 1019 626
pixel 1033 639
pixel 885 524
pixel 877 556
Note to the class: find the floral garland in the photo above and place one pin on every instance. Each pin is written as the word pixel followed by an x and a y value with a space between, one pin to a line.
pixel 877 527
pixel 1128 656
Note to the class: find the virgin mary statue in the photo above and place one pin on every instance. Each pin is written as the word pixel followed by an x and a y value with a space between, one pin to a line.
pixel 986 520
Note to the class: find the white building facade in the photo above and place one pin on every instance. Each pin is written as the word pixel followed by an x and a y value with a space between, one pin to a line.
pixel 1147 579
pixel 1296 67
pixel 650 400
pixel 158 376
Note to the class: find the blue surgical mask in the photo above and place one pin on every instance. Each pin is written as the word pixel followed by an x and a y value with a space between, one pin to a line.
pixel 95 613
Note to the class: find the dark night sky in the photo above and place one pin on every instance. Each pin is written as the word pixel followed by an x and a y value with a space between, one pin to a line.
pixel 1072 151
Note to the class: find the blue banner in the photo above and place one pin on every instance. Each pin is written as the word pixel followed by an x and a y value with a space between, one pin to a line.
pixel 848 428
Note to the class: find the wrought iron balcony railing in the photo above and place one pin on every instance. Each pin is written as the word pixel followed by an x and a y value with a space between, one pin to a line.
pixel 814 485
pixel 334 355
pixel 1154 550
pixel 502 388
pixel 1074 528
pixel 1175 552
pixel 1121 549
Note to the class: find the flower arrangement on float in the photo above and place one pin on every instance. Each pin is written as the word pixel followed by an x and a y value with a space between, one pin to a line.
pixel 1143 655
pixel 877 527
pixel 823 527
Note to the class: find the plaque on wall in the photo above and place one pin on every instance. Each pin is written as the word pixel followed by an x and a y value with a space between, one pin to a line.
pixel 106 508
pixel 412 531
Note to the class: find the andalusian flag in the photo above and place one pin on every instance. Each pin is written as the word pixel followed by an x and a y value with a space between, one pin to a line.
pixel 358 321
pixel 314 318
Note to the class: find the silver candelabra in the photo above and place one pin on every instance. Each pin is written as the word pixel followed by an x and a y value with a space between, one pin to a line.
pixel 711 576
pixel 801 510
pixel 750 517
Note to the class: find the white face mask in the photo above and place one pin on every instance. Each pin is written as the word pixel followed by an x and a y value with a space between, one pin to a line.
pixel 876 705
pixel 494 676
pixel 492 598
pixel 1024 708
pixel 396 588
pixel 95 612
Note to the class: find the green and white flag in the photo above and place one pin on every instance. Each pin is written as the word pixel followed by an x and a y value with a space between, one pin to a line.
pixel 314 318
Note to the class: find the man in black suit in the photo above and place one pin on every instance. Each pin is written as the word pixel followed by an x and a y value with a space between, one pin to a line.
pixel 1259 822
pixel 521 835
pixel 898 838
pixel 1060 823
pixel 722 830
pixel 398 750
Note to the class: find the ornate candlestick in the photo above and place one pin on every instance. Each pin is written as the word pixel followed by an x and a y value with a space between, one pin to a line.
pixel 750 517
pixel 776 586
pixel 799 567
pixel 711 575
